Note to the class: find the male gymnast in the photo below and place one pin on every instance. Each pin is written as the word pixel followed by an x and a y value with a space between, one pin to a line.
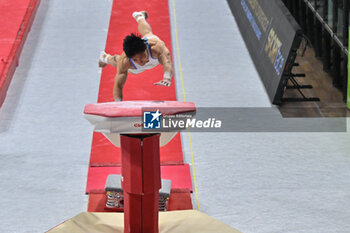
pixel 139 54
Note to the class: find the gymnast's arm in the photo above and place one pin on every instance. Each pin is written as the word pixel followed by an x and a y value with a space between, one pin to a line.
pixel 120 79
pixel 112 60
pixel 165 60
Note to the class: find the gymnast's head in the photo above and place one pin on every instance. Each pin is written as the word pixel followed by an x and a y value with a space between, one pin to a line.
pixel 135 48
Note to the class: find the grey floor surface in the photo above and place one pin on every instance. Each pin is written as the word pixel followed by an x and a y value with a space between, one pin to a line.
pixel 255 182
pixel 44 140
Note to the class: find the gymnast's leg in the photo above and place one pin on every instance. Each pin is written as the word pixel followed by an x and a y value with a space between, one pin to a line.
pixel 143 26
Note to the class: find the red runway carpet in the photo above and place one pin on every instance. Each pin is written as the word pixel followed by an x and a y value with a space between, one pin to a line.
pixel 16 17
pixel 104 154
pixel 105 158
pixel 179 175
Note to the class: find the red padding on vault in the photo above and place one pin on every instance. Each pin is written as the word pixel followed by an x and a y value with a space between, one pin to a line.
pixel 16 17
pixel 136 108
pixel 180 199
pixel 179 175
pixel 104 154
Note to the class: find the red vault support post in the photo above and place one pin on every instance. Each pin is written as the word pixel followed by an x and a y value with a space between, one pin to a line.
pixel 141 182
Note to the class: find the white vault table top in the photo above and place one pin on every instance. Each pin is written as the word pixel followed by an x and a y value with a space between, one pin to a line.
pixel 135 108
pixel 126 117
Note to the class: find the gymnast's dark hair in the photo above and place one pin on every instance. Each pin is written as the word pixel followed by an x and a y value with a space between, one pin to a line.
pixel 133 44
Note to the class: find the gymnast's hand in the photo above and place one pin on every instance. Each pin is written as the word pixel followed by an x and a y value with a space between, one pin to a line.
pixel 164 82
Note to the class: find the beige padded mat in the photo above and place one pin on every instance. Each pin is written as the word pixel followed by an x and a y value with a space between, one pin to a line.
pixel 188 221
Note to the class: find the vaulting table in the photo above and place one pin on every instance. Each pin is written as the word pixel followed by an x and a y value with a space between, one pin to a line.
pixel 123 123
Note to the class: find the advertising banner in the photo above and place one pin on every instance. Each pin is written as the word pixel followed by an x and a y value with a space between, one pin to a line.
pixel 272 37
